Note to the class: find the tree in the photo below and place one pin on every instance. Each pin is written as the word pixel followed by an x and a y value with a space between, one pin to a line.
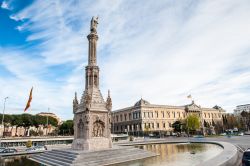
pixel 66 128
pixel 193 122
pixel 177 125
pixel 206 124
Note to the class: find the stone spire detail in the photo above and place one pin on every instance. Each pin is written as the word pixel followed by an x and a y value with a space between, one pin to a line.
pixel 92 70
pixel 93 37
pixel 109 102
pixel 75 103
pixel 92 92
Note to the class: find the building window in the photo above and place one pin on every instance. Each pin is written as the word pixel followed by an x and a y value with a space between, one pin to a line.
pixel 129 115
pixel 152 115
pixel 148 115
pixel 153 125
pixel 149 125
pixel 116 118
pixel 156 114
pixel 121 118
pixel 125 117
pixel 145 125
pixel 170 125
pixel 163 114
pixel 139 116
pixel 164 125
pixel 158 125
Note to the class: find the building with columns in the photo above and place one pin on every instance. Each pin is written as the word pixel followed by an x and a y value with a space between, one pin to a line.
pixel 144 116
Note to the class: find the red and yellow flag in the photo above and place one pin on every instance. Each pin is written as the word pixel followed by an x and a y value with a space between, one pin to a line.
pixel 29 101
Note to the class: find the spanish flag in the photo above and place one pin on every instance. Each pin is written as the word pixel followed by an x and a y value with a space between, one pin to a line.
pixel 29 101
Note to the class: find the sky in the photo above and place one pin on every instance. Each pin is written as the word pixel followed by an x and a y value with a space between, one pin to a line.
pixel 160 51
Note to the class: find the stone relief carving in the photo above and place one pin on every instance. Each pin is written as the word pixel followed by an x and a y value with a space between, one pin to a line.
pixel 98 128
pixel 87 118
pixel 80 127
pixel 87 100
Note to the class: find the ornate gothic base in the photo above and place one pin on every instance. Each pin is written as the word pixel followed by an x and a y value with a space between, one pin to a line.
pixel 92 144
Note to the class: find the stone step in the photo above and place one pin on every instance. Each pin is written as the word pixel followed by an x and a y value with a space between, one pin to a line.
pixel 124 152
pixel 120 159
pixel 69 153
pixel 53 162
pixel 64 159
pixel 94 158
pixel 41 161
pixel 60 155
pixel 108 153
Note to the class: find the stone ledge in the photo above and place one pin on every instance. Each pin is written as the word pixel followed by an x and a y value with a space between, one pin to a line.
pixel 228 157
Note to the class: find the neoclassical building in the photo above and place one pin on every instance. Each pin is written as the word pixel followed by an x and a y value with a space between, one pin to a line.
pixel 159 118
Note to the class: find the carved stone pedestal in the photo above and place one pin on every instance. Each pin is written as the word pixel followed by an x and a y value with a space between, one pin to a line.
pixel 93 144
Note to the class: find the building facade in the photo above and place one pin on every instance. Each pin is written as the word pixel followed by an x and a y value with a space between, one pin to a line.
pixel 241 108
pixel 159 118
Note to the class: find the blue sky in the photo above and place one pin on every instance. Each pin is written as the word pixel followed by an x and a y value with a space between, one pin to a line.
pixel 160 50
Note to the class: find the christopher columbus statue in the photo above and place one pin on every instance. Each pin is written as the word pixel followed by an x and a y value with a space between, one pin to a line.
pixel 93 24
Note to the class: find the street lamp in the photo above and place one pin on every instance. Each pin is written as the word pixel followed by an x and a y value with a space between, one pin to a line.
pixel 4 110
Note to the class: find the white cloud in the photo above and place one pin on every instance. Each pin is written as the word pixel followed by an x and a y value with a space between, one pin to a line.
pixel 5 5
pixel 161 51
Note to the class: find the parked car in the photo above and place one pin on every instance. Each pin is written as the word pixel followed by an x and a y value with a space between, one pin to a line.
pixel 36 148
pixel 31 149
pixel 240 134
pixel 8 150
pixel 246 158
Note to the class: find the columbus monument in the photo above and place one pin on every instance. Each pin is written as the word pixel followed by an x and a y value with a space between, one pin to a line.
pixel 92 125
pixel 92 115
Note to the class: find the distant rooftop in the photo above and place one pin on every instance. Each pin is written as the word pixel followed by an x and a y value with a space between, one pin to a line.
pixel 243 105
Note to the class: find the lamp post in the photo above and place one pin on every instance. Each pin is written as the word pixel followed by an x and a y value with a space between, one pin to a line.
pixel 3 112
pixel 47 122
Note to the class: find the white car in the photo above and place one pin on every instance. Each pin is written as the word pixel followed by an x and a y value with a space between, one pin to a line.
pixel 36 148
pixel 240 134
pixel 223 134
